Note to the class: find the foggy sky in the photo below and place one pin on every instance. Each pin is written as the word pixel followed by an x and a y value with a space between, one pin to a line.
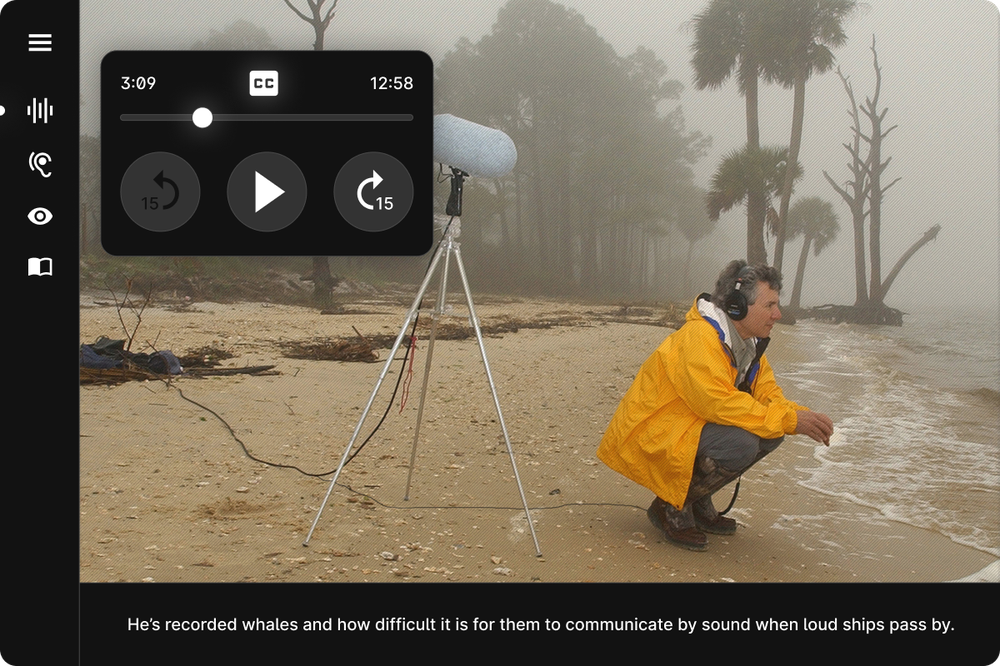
pixel 940 82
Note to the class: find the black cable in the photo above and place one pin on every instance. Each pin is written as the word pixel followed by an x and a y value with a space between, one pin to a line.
pixel 249 455
pixel 406 355
pixel 246 451
pixel 392 398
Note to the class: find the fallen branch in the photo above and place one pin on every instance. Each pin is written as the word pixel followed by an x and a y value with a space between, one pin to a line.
pixel 928 236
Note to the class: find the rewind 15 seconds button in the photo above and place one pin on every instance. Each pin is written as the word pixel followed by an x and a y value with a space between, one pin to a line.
pixel 160 191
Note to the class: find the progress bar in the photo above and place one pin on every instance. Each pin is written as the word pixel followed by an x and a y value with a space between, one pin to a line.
pixel 270 117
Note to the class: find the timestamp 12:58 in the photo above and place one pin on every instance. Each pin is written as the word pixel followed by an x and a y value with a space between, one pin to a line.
pixel 392 82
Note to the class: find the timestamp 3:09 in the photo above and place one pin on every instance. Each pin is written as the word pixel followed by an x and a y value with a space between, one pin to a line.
pixel 138 82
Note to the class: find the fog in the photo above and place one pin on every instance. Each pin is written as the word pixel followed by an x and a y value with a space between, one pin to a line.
pixel 940 83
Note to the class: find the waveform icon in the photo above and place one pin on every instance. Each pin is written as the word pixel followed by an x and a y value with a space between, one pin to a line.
pixel 40 111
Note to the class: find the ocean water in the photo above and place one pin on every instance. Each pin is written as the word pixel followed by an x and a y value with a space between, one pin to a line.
pixel 917 416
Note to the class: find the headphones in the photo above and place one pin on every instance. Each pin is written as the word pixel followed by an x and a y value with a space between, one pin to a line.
pixel 735 302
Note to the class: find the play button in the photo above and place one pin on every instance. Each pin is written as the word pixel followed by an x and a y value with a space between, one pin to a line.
pixel 267 191
pixel 264 192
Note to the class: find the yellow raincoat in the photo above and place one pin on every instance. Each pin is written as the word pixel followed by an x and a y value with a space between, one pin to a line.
pixel 687 382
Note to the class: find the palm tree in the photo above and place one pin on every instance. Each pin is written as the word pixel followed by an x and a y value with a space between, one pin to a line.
pixel 814 219
pixel 727 41
pixel 801 33
pixel 745 171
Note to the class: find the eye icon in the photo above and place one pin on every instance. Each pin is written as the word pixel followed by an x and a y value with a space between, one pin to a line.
pixel 40 215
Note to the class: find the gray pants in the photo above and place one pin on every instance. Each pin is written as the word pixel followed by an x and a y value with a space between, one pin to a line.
pixel 732 447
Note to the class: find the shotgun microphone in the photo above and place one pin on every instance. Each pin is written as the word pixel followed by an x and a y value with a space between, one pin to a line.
pixel 475 149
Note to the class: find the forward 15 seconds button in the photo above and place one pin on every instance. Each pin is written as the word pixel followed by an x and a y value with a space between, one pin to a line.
pixel 373 191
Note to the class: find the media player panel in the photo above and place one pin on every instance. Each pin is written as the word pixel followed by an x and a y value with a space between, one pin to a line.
pixel 266 152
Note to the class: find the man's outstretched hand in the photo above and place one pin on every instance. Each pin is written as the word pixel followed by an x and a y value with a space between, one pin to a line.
pixel 815 425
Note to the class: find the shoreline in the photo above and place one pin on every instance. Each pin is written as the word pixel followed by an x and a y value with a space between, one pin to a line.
pixel 168 495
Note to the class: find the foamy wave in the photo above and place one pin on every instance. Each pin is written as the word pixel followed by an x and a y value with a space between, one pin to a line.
pixel 911 441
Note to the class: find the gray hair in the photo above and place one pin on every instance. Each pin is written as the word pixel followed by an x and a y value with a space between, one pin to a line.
pixel 752 276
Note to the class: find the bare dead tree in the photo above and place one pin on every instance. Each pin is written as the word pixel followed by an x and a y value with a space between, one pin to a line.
pixel 855 193
pixel 866 187
pixel 876 192
pixel 319 19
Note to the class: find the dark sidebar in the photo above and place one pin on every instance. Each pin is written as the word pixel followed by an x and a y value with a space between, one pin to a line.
pixel 39 135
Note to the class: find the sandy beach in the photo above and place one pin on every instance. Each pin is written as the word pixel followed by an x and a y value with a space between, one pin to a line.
pixel 168 494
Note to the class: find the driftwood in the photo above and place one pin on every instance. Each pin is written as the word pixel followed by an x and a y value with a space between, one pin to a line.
pixel 502 326
pixel 855 314
pixel 135 374
pixel 331 350
pixel 113 375
pixel 362 348
pixel 225 372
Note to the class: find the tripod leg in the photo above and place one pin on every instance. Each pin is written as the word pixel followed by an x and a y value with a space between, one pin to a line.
pixel 493 390
pixel 385 370
pixel 438 311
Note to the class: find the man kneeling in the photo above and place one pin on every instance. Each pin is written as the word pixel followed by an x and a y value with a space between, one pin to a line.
pixel 705 407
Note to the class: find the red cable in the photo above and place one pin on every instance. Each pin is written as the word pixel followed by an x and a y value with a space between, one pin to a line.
pixel 409 374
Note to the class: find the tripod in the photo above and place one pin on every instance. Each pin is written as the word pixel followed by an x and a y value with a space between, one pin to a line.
pixel 447 247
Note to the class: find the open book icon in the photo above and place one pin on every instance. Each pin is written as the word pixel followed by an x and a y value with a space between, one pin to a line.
pixel 39 266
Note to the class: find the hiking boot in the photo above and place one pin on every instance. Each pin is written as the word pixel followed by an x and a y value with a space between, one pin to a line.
pixel 677 526
pixel 708 519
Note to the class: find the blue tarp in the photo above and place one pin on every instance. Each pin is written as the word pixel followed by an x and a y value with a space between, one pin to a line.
pixel 105 354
